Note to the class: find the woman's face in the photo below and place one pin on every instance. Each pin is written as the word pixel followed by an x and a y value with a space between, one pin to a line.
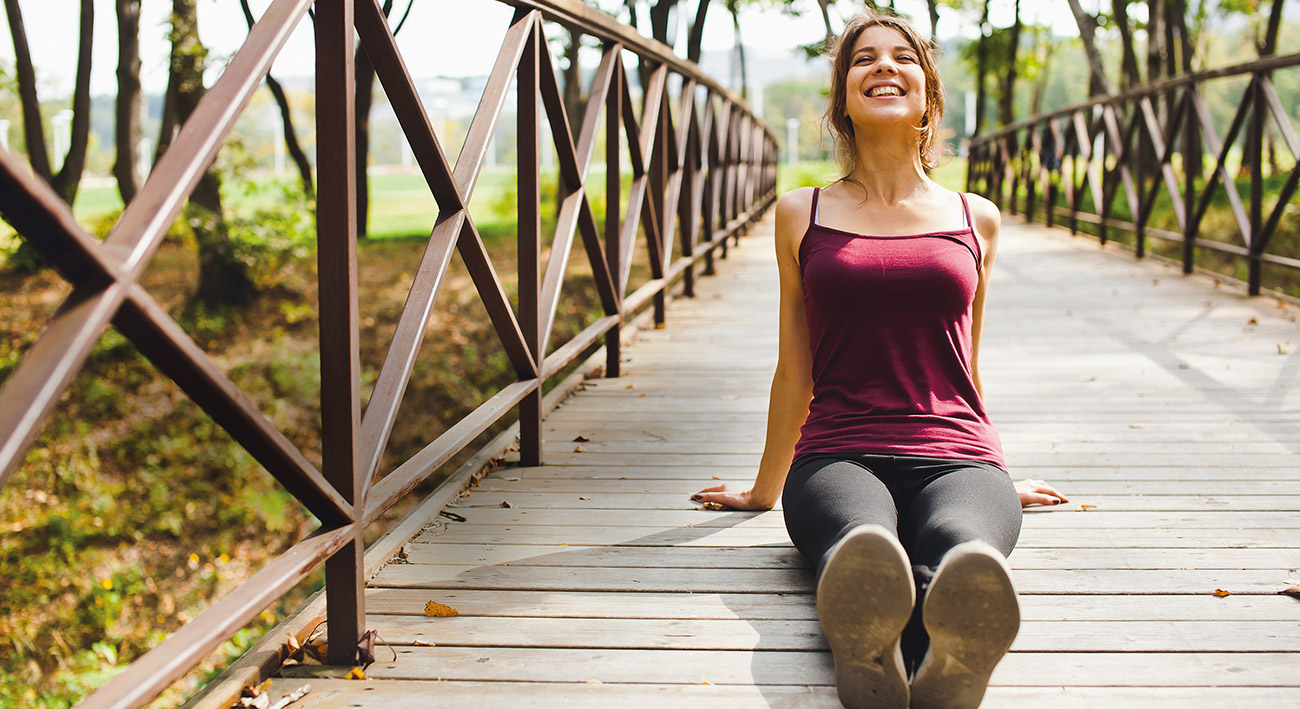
pixel 885 82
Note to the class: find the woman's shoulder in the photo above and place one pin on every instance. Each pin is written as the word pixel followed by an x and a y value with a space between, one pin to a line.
pixel 795 204
pixel 984 215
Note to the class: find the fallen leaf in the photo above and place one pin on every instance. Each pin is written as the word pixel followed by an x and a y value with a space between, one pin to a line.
pixel 643 395
pixel 714 506
pixel 579 449
pixel 629 386
pixel 1252 321
pixel 1135 425
pixel 581 439
pixel 1293 592
pixel 261 701
pixel 255 690
pixel 506 505
pixel 1085 508
pixel 356 673
pixel 716 477
pixel 292 642
pixel 452 516
pixel 1184 365
pixel 1284 348
pixel 434 609
pixel 584 498
pixel 660 325
pixel 421 643
pixel 1220 593
pixel 622 478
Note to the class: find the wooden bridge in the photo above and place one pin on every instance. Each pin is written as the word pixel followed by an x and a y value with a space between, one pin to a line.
pixel 1165 406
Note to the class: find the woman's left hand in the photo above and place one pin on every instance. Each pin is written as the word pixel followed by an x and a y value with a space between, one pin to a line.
pixel 1037 492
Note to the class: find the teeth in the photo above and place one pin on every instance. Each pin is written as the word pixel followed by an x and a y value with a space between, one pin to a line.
pixel 886 91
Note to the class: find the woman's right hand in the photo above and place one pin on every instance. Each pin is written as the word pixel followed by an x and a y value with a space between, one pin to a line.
pixel 731 500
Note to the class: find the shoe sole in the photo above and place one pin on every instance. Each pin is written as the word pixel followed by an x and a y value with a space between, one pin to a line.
pixel 864 600
pixel 972 616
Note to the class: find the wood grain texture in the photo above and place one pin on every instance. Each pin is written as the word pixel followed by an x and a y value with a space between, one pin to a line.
pixel 592 580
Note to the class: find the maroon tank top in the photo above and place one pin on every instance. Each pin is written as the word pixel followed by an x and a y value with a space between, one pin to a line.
pixel 889 324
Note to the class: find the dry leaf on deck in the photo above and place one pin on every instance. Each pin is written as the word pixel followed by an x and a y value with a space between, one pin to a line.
pixel 506 505
pixel 716 477
pixel 713 506
pixel 1085 508
pixel 421 643
pixel 622 478
pixel 629 386
pixel 1220 593
pixel 434 609
pixel 1252 321
pixel 584 498
pixel 579 449
pixel 356 673
pixel 581 439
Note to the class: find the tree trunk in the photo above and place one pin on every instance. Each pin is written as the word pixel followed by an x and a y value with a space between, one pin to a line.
pixel 1155 40
pixel 33 125
pixel 1131 75
pixel 733 6
pixel 981 67
pixel 933 6
pixel 1006 106
pixel 1040 85
pixel 69 177
pixel 223 279
pixel 1097 82
pixel 695 37
pixel 127 131
pixel 1269 45
pixel 364 99
pixel 825 7
pixel 291 143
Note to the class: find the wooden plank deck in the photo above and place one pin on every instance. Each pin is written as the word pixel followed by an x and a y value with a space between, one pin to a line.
pixel 1169 404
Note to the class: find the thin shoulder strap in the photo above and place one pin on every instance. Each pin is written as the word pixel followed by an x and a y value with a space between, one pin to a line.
pixel 812 211
pixel 965 206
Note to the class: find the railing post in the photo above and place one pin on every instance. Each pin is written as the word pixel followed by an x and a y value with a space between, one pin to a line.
pixel 530 243
pixel 336 255
pixel 613 222
pixel 1255 154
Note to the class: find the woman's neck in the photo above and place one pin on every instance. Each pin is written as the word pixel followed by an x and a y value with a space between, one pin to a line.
pixel 889 168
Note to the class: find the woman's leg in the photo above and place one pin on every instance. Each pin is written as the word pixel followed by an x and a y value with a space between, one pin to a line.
pixel 964 518
pixel 826 496
pixel 843 519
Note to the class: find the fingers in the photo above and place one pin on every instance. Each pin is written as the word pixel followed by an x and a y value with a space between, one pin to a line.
pixel 716 488
pixel 1029 499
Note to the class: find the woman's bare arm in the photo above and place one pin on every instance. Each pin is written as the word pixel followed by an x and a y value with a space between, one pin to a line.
pixel 792 383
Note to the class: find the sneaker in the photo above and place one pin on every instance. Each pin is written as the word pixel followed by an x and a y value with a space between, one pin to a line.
pixel 864 599
pixel 972 615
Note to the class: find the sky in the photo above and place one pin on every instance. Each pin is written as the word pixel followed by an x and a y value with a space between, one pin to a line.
pixel 429 49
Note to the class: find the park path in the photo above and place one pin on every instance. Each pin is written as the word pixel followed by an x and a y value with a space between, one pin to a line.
pixel 1166 408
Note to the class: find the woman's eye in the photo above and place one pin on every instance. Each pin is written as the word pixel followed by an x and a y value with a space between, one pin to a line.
pixel 906 58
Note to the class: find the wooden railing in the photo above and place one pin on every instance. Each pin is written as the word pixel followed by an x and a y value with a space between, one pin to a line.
pixel 703 168
pixel 1083 158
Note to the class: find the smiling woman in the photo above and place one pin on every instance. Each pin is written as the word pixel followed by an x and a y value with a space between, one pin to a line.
pixel 878 442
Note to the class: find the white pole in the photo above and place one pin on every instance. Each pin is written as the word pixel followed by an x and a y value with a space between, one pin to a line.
pixel 279 146
pixel 4 134
pixel 61 124
pixel 970 113
pixel 792 141
pixel 143 158
pixel 756 100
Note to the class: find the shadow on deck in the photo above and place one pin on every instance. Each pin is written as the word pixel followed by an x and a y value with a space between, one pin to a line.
pixel 1164 406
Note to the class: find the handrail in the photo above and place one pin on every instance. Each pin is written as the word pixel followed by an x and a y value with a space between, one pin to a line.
pixel 1126 143
pixel 703 169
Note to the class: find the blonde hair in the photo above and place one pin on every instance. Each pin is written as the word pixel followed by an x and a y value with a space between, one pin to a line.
pixel 837 118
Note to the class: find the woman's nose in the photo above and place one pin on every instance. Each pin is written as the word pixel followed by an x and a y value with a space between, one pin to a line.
pixel 886 65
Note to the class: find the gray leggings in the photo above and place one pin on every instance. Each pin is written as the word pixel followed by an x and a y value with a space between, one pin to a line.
pixel 933 504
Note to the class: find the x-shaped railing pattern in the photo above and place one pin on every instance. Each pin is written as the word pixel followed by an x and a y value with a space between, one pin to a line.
pixel 1129 141
pixel 698 180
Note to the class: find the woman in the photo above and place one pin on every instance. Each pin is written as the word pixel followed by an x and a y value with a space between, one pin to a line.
pixel 898 493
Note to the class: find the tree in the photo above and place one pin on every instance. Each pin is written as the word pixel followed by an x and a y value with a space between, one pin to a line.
pixel 127 125
pixel 223 278
pixel 291 144
pixel 1130 73
pixel 1006 103
pixel 1097 81
pixel 68 178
